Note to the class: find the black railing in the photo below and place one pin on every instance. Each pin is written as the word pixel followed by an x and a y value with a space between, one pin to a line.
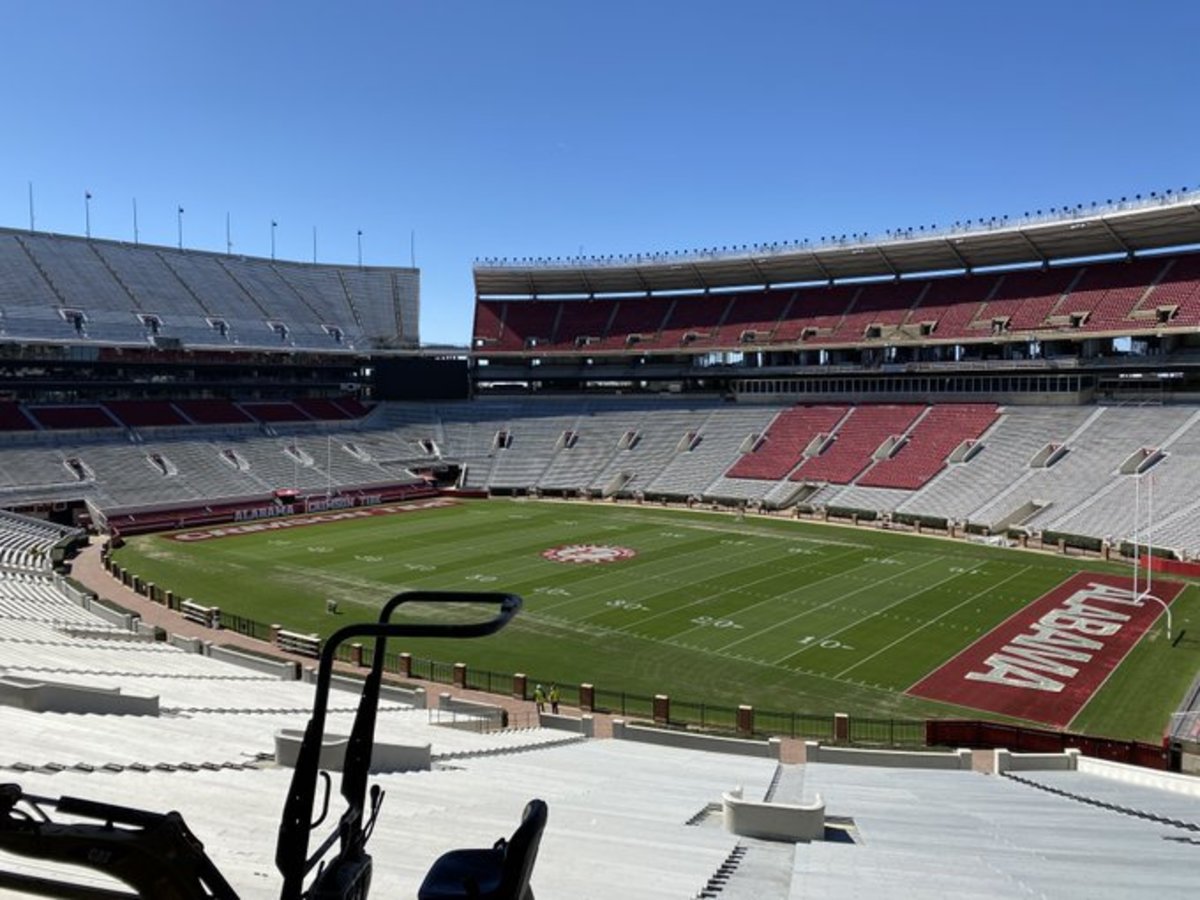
pixel 794 724
pixel 240 625
pixel 887 732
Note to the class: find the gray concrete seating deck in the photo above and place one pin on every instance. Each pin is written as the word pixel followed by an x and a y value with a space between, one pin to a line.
pixel 721 435
pixel 922 834
pixel 200 466
pixel 1084 492
pixel 658 436
pixel 126 477
pixel 740 488
pixel 151 282
pixel 962 488
pixel 853 496
pixel 533 447
pixel 34 466
pixel 79 277
pixel 21 285
pixel 132 295
pixel 1092 462
pixel 575 467
pixel 617 816
pixel 1132 799
pixel 1110 510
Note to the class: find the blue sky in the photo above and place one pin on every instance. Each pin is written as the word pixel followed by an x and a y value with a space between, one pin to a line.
pixel 543 128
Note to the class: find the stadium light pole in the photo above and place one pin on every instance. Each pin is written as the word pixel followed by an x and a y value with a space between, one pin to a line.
pixel 31 228
pixel 228 237
pixel 360 248
pixel 314 245
pixel 179 225
pixel 135 227
pixel 87 214
pixel 274 225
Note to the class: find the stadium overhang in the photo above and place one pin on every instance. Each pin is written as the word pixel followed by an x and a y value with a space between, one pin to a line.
pixel 1126 228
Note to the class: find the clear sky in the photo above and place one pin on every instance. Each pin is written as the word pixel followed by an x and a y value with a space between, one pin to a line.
pixel 546 128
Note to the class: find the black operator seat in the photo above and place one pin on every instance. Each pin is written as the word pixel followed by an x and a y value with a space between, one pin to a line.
pixel 501 872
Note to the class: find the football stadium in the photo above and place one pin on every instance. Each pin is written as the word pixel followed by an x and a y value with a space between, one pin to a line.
pixel 837 557
pixel 668 451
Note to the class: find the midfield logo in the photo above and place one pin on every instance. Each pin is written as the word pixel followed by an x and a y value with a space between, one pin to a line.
pixel 582 554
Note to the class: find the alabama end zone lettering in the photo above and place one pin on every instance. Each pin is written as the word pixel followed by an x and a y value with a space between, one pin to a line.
pixel 1045 662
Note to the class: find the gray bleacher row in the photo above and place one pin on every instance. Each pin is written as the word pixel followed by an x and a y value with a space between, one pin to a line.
pixel 122 474
pixel 1083 493
pixel 208 756
pixel 115 285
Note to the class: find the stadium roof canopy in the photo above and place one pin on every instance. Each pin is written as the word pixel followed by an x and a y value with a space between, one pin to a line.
pixel 1124 228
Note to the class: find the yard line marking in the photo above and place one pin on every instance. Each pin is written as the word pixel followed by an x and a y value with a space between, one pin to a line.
pixel 719 570
pixel 972 599
pixel 569 625
pixel 771 599
pixel 873 583
pixel 904 599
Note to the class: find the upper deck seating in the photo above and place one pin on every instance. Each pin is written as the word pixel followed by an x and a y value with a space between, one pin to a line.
pixel 1179 287
pixel 274 412
pixel 886 304
pixel 145 413
pixel 320 408
pixel 753 318
pixel 352 405
pixel 77 275
pixel 72 416
pixel 529 324
pixel 213 412
pixel 370 296
pixel 1023 300
pixel 815 315
pixel 643 316
pixel 489 324
pixel 693 321
pixel 583 323
pixel 1105 295
pixel 12 418
pixel 949 305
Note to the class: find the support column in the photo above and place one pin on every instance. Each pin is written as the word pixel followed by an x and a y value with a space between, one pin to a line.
pixel 745 720
pixel 841 728
pixel 662 709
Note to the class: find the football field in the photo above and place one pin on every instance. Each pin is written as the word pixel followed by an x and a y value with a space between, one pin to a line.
pixel 784 615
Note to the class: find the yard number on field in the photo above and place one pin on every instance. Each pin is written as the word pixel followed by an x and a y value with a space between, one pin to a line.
pixel 811 640
pixel 710 622
pixel 631 605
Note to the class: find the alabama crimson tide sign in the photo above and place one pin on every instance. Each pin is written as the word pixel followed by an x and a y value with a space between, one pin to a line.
pixel 582 554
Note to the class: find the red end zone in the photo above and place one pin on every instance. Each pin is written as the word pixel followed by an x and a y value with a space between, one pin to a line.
pixel 1045 662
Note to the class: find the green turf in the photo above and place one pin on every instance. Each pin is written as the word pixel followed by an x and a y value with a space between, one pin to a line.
pixel 784 615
